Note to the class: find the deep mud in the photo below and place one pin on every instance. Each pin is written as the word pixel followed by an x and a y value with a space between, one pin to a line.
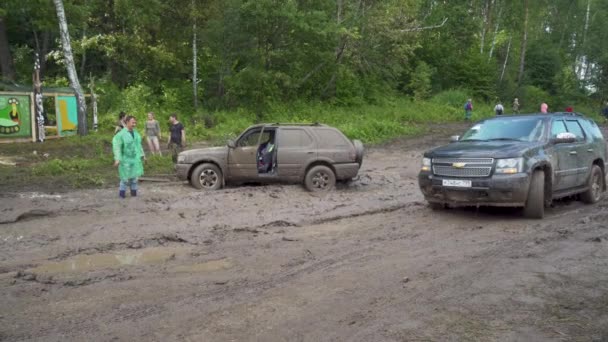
pixel 367 262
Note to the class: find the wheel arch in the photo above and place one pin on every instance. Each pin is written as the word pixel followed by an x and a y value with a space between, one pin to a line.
pixel 547 169
pixel 316 163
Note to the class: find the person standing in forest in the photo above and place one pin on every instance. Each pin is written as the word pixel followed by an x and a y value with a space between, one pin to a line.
pixel 543 108
pixel 468 110
pixel 516 106
pixel 605 110
pixel 177 138
pixel 153 134
pixel 121 122
pixel 128 156
pixel 499 109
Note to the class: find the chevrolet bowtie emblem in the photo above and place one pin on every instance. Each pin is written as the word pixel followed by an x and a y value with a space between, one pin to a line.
pixel 459 165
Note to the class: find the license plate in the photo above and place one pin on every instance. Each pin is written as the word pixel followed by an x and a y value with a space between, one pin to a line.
pixel 457 183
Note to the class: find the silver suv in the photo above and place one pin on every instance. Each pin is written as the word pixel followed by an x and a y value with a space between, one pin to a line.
pixel 314 154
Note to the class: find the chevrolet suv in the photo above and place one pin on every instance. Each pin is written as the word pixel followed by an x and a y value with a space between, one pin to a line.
pixel 518 161
pixel 314 154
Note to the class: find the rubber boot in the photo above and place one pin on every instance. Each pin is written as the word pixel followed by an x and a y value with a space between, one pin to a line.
pixel 133 193
pixel 121 193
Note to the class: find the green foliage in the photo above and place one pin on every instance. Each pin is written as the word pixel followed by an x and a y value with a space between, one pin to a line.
pixel 531 98
pixel 420 84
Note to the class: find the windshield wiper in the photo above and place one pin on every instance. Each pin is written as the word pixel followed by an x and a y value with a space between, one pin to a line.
pixel 473 140
pixel 508 139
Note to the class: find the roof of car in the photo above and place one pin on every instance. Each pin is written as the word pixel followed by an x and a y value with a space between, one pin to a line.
pixel 544 115
pixel 278 124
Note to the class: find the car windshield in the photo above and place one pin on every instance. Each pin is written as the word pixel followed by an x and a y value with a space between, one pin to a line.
pixel 516 129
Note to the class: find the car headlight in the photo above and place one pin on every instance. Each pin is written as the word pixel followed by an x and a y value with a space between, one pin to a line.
pixel 426 164
pixel 181 158
pixel 510 165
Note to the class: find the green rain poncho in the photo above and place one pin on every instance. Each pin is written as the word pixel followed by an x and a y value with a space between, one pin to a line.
pixel 127 149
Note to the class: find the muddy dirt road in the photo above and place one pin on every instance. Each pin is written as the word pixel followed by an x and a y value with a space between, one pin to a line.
pixel 368 262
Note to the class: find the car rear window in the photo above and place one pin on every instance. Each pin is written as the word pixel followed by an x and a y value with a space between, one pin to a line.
pixel 294 137
pixel 592 129
pixel 331 138
pixel 575 128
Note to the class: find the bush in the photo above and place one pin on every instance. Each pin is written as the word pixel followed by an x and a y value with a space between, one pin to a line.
pixel 531 98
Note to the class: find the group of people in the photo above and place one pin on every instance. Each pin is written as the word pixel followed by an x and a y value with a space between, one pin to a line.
pixel 499 108
pixel 128 151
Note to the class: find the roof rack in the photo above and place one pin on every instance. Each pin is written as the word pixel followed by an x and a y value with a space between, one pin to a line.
pixel 296 124
pixel 567 113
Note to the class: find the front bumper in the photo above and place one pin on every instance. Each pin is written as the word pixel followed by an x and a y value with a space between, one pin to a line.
pixel 497 190
pixel 346 171
pixel 182 171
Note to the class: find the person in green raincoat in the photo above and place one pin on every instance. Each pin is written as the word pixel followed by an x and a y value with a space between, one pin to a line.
pixel 128 156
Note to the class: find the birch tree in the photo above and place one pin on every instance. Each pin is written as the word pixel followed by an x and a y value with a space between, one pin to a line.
pixel 524 42
pixel 71 69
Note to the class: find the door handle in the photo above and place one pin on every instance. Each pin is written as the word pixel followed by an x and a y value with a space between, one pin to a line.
pixel 590 150
pixel 573 152
pixel 310 152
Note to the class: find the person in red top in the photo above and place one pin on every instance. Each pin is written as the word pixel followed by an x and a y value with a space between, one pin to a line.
pixel 569 109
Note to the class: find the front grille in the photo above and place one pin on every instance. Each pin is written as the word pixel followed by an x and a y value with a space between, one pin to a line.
pixel 469 167
pixel 475 161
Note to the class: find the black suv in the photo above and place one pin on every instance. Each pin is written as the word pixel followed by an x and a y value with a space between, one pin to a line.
pixel 518 161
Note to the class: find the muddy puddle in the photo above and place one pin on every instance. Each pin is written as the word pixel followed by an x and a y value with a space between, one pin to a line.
pixel 208 266
pixel 93 262
pixel 148 256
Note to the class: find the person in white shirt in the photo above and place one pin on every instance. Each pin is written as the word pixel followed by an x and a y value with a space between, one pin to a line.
pixel 499 109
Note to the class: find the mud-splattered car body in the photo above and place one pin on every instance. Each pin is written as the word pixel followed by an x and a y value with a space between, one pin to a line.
pixel 315 154
pixel 521 161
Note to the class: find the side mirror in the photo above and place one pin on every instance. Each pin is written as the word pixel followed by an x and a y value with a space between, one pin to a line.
pixel 231 144
pixel 455 138
pixel 564 138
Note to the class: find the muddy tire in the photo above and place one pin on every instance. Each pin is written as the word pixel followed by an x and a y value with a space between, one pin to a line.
pixel 596 185
pixel 359 151
pixel 320 178
pixel 207 177
pixel 535 204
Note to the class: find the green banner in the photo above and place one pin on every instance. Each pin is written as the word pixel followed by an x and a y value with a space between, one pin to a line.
pixel 15 116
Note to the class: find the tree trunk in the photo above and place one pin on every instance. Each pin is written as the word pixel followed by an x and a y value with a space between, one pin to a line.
pixel 495 32
pixel 46 41
pixel 83 62
pixel 71 69
pixel 583 59
pixel 330 88
pixel 504 65
pixel 485 14
pixel 524 43
pixel 194 69
pixel 6 60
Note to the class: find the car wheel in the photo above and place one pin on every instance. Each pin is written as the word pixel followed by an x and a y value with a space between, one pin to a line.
pixel 594 192
pixel 320 178
pixel 535 204
pixel 207 177
pixel 359 151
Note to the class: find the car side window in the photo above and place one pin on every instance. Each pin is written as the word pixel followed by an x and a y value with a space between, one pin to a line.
pixel 558 127
pixel 250 138
pixel 575 128
pixel 331 138
pixel 294 137
pixel 591 129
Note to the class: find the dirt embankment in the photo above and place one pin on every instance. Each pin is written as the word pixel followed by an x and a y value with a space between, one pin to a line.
pixel 368 262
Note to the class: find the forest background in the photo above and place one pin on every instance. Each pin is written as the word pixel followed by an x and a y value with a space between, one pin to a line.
pixel 375 69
